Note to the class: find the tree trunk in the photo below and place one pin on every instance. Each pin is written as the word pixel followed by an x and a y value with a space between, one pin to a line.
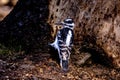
pixel 97 25
pixel 27 26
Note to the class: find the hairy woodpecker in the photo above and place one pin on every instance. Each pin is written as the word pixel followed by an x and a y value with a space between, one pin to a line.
pixel 64 41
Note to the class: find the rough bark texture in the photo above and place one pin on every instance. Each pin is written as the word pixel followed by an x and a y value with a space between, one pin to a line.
pixel 97 24
pixel 26 25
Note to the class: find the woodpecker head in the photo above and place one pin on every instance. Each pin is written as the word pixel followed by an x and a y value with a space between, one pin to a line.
pixel 67 23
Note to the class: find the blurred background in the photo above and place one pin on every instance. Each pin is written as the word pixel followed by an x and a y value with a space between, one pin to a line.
pixel 5 7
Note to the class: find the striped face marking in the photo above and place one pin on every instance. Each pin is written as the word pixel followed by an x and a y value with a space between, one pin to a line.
pixel 69 23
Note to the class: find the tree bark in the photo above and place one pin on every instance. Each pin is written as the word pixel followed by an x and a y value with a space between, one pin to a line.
pixel 26 25
pixel 97 25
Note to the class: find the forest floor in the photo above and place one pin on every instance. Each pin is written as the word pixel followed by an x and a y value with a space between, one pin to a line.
pixel 41 66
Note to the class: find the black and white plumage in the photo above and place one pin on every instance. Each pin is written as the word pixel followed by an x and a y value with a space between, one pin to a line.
pixel 64 41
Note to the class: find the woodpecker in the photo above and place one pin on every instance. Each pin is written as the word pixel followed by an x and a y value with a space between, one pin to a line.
pixel 64 41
